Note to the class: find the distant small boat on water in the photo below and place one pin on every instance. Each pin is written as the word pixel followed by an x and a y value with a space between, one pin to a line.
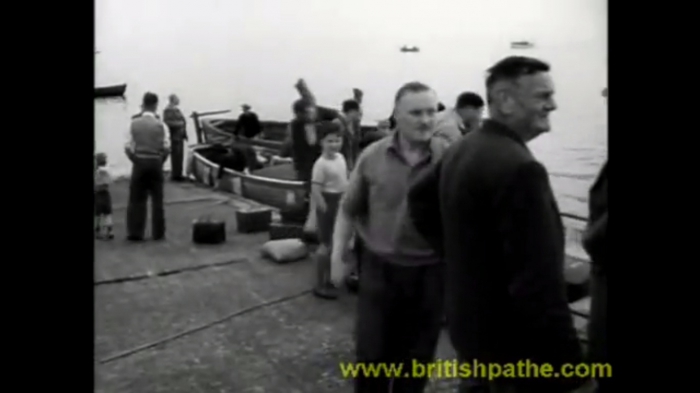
pixel 410 49
pixel 522 45
pixel 110 91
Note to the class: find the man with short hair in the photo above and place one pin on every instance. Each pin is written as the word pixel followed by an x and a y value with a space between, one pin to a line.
pixel 488 207
pixel 147 147
pixel 177 124
pixel 462 119
pixel 401 280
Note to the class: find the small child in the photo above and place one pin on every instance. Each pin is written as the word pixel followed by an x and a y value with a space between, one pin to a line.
pixel 329 181
pixel 103 199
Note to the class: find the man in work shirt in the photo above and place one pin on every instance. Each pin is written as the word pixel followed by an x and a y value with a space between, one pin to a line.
pixel 147 147
pixel 401 280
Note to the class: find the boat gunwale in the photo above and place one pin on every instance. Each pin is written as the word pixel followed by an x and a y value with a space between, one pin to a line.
pixel 270 181
pixel 272 144
pixel 264 143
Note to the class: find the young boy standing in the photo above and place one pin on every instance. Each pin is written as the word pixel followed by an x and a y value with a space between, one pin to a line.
pixel 103 199
pixel 329 180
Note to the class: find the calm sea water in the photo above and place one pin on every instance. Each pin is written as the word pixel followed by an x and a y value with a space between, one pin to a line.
pixel 218 54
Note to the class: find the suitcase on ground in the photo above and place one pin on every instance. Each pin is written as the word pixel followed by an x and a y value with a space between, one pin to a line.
pixel 294 215
pixel 280 230
pixel 285 250
pixel 208 231
pixel 253 220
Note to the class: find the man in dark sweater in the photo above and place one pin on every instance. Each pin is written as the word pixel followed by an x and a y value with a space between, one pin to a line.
pixel 173 117
pixel 488 207
pixel 248 122
pixel 147 147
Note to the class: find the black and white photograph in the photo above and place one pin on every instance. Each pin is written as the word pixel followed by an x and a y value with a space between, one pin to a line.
pixel 368 196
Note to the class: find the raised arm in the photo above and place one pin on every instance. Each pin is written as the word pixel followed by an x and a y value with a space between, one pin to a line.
pixel 304 91
pixel 324 113
pixel 357 95
pixel 535 267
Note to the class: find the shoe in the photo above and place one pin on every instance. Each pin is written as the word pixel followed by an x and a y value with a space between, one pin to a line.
pixel 134 238
pixel 159 238
pixel 352 282
pixel 109 236
pixel 326 292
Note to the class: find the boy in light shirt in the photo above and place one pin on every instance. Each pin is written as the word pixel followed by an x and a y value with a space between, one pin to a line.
pixel 329 180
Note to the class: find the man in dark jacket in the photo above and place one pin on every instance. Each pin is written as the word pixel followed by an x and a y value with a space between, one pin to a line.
pixel 489 210
pixel 173 117
pixel 248 122
pixel 147 147
pixel 595 243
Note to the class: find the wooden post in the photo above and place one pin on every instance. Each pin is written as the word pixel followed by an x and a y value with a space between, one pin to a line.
pixel 197 127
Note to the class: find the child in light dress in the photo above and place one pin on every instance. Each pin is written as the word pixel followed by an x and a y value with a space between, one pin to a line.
pixel 329 180
pixel 103 199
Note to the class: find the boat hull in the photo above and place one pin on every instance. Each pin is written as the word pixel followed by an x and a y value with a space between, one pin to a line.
pixel 275 186
pixel 273 135
pixel 110 91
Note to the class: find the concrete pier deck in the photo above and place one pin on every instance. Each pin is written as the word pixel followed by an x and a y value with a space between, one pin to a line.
pixel 178 318
pixel 175 317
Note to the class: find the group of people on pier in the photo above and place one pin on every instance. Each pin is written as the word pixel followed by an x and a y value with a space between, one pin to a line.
pixel 450 216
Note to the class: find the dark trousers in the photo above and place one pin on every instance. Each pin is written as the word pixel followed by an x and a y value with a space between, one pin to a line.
pixel 399 314
pixel 176 158
pixel 146 180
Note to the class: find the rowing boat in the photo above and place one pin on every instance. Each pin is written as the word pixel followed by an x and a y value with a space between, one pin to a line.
pixel 110 91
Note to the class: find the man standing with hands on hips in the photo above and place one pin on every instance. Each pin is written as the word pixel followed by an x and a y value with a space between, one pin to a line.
pixel 401 280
